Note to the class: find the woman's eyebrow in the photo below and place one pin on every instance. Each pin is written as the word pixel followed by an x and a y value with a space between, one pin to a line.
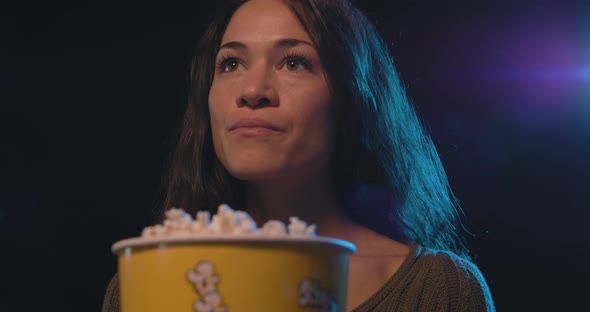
pixel 281 43
pixel 288 43
pixel 234 45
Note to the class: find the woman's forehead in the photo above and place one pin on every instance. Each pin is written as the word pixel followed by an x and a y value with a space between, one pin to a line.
pixel 264 21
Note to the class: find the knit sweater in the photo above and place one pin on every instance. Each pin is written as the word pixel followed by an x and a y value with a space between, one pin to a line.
pixel 428 280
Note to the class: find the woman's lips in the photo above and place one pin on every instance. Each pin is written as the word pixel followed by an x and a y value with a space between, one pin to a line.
pixel 254 126
pixel 253 131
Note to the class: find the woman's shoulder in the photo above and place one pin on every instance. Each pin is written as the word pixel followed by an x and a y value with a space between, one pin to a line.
pixel 454 278
pixel 448 262
pixel 432 280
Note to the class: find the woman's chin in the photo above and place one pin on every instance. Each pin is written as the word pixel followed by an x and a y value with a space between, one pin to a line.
pixel 278 172
pixel 257 174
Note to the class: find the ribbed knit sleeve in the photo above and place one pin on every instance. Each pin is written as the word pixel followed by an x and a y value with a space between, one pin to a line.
pixel 430 280
pixel 111 298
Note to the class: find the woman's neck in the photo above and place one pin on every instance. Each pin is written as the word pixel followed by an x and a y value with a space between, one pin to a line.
pixel 312 200
pixel 315 202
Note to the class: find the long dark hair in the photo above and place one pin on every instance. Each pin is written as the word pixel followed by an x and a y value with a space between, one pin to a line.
pixel 380 139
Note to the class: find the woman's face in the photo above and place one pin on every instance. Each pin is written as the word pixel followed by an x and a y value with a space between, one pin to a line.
pixel 270 105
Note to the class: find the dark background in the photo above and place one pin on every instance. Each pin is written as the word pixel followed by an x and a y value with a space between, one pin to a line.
pixel 91 93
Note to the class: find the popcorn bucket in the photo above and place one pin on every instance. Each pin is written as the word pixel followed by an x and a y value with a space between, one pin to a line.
pixel 233 273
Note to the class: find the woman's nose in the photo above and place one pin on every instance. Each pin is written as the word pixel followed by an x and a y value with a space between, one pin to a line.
pixel 258 89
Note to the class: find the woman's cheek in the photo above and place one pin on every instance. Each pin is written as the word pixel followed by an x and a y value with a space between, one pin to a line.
pixel 216 120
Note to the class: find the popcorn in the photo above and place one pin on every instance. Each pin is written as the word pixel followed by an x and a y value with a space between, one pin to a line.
pixel 154 231
pixel 201 224
pixel 300 228
pixel 177 221
pixel 160 230
pixel 225 221
pixel 274 228
pixel 245 223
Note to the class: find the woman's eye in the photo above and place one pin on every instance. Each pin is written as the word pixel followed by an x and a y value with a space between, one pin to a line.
pixel 293 64
pixel 297 63
pixel 229 65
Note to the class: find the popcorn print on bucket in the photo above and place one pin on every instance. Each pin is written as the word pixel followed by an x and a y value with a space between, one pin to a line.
pixel 204 281
pixel 312 295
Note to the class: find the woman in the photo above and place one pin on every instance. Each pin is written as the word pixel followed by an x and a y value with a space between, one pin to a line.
pixel 296 110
